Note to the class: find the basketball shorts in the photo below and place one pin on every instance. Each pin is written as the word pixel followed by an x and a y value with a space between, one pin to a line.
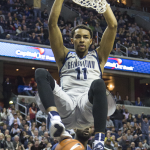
pixel 74 107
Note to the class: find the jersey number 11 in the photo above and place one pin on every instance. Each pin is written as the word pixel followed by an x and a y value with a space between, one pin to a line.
pixel 79 72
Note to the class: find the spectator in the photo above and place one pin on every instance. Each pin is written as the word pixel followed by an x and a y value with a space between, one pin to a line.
pixel 9 144
pixel 39 41
pixel 48 146
pixel 16 141
pixel 126 101
pixel 15 130
pixel 15 117
pixel 24 138
pixel 39 22
pixel 145 145
pixel 130 119
pixel 6 132
pixel 10 24
pixel 108 144
pixel 19 30
pixel 118 52
pixel 122 142
pixel 129 136
pixel 109 123
pixel 29 146
pixel 119 135
pixel 138 102
pixel 141 145
pixel 37 145
pixel 126 113
pixel 26 129
pixel 117 97
pixel 33 38
pixel 139 119
pixel 118 116
pixel 1 15
pixel 37 8
pixel 27 12
pixel 8 37
pixel 132 146
pixel 4 115
pixel 28 121
pixel 45 25
pixel 98 28
pixel 32 111
pixel 17 24
pixel 2 141
pixel 36 135
pixel 44 14
pixel 145 128
pixel 43 124
pixel 7 88
pixel 43 129
pixel 132 29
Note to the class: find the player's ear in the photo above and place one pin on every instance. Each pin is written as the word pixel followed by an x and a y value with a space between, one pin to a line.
pixel 91 40
pixel 71 40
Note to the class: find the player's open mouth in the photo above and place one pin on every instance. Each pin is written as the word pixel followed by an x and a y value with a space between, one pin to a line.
pixel 86 133
pixel 81 46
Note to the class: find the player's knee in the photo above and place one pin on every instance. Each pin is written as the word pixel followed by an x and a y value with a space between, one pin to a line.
pixel 40 73
pixel 99 85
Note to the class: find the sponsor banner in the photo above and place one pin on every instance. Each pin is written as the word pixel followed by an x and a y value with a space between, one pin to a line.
pixel 128 65
pixel 26 52
pixel 46 54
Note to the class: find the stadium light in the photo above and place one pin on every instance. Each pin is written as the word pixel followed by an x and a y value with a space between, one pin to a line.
pixel 10 102
pixel 110 87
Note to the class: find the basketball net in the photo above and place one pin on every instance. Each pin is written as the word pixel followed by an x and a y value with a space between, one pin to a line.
pixel 98 5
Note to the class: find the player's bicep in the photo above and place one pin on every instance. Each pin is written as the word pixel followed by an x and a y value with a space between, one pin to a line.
pixel 56 42
pixel 106 44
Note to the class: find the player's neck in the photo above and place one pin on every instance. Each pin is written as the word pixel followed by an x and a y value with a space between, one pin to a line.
pixel 81 54
pixel 82 141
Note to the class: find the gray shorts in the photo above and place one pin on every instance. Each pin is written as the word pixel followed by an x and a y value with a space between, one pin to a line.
pixel 74 107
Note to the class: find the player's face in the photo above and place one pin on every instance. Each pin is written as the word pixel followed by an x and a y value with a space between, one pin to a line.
pixel 81 40
pixel 84 134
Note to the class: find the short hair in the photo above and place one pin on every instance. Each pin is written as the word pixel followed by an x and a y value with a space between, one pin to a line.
pixel 82 27
pixel 8 136
pixel 1 134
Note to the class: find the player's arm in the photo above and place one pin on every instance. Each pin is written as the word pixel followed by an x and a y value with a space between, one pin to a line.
pixel 108 37
pixel 55 36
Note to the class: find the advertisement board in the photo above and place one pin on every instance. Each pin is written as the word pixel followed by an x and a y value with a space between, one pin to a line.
pixel 46 54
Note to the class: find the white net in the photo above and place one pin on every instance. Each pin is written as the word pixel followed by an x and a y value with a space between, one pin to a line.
pixel 98 5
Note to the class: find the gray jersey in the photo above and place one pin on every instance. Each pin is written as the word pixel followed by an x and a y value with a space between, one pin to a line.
pixel 78 72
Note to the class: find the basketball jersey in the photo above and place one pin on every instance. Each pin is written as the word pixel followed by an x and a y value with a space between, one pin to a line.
pixel 79 72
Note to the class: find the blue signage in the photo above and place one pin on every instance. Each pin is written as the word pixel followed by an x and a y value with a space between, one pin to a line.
pixel 26 52
pixel 128 65
pixel 46 54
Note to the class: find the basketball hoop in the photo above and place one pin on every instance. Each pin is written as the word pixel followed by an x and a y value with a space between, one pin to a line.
pixel 98 5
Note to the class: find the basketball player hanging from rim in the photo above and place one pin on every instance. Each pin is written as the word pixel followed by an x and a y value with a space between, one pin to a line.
pixel 81 100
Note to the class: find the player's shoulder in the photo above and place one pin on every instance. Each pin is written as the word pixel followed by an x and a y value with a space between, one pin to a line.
pixel 53 148
pixel 92 52
pixel 88 148
pixel 71 54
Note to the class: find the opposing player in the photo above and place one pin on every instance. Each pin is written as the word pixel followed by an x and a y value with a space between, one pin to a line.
pixel 82 136
pixel 81 100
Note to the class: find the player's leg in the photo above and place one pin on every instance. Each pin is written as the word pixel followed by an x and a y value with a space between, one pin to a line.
pixel 46 85
pixel 97 97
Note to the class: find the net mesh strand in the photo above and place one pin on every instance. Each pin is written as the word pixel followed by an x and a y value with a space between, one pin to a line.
pixel 98 5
